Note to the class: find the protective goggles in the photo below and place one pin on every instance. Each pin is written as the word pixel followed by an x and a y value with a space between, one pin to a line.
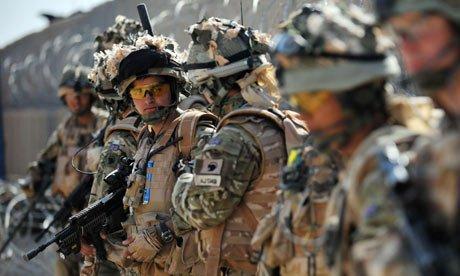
pixel 309 102
pixel 155 90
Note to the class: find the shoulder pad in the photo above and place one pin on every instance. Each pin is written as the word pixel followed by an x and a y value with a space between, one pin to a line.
pixel 295 130
pixel 126 124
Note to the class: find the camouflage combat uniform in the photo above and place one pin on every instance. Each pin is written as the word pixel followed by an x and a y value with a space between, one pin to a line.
pixel 435 169
pixel 62 145
pixel 151 184
pixel 345 64
pixel 290 234
pixel 119 136
pixel 119 141
pixel 148 196
pixel 235 176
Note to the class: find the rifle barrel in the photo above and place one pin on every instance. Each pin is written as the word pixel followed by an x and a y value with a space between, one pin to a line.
pixel 31 254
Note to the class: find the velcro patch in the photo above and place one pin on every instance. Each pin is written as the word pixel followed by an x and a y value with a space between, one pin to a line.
pixel 214 141
pixel 211 166
pixel 208 180
pixel 146 196
pixel 114 146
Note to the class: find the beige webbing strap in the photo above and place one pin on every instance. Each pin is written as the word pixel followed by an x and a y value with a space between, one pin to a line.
pixel 188 126
pixel 248 216
pixel 244 112
pixel 187 130
pixel 212 264
pixel 169 132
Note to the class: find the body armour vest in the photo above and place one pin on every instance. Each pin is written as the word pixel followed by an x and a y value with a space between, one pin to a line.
pixel 152 181
pixel 275 132
pixel 72 136
pixel 125 124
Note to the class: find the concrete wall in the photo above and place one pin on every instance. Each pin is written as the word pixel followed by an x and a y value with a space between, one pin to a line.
pixel 26 132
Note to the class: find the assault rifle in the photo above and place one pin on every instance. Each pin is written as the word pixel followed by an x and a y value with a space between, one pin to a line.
pixel 106 214
pixel 75 201
pixel 47 170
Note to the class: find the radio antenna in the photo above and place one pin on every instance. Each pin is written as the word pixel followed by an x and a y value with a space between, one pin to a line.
pixel 241 12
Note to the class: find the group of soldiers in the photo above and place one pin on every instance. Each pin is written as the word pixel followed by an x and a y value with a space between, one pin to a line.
pixel 296 155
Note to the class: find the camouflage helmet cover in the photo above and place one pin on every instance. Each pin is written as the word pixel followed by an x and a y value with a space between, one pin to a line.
pixel 337 50
pixel 124 31
pixel 224 41
pixel 150 55
pixel 388 8
pixel 100 79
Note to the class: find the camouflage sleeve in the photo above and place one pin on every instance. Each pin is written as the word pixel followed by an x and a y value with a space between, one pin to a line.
pixel 204 132
pixel 226 166
pixel 118 145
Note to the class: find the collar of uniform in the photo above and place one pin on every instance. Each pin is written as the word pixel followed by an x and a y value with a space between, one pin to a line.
pixel 165 123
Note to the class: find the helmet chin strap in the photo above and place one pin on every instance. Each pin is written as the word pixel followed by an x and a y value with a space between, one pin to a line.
pixel 160 114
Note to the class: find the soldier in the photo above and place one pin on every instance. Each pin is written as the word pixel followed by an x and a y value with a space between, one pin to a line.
pixel 119 135
pixel 234 179
pixel 434 67
pixel 335 72
pixel 149 74
pixel 290 236
pixel 74 132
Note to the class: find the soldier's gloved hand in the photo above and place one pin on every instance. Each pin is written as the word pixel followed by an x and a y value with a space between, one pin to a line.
pixel 116 253
pixel 87 250
pixel 33 181
pixel 143 247
pixel 89 267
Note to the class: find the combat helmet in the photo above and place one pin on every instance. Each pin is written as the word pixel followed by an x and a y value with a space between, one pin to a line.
pixel 448 8
pixel 124 31
pixel 74 78
pixel 222 52
pixel 149 56
pixel 325 51
pixel 326 48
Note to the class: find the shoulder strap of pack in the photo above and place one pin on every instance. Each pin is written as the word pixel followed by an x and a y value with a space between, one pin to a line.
pixel 276 118
pixel 126 124
pixel 295 130
pixel 188 126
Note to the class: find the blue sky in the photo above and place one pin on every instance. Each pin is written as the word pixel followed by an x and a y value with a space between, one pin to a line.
pixel 21 17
